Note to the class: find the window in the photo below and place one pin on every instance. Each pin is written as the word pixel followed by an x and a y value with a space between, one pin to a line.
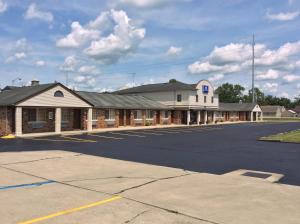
pixel 32 115
pixel 205 99
pixel 149 114
pixel 197 98
pixel 165 114
pixel 212 99
pixel 65 115
pixel 58 94
pixel 37 115
pixel 110 114
pixel 137 115
pixel 95 115
pixel 41 115
pixel 179 98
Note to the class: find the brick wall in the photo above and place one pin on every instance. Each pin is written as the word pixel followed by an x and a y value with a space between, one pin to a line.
pixel 6 120
pixel 177 117
pixel 164 121
pixel 35 127
pixel 102 123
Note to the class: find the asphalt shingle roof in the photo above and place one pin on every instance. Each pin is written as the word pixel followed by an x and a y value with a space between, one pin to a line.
pixel 159 87
pixel 105 100
pixel 236 106
pixel 271 109
pixel 15 95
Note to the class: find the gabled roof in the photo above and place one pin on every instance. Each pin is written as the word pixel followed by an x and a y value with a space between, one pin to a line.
pixel 15 95
pixel 159 87
pixel 105 100
pixel 236 106
pixel 271 108
pixel 297 109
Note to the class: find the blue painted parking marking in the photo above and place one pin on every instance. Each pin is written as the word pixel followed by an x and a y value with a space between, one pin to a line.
pixel 26 185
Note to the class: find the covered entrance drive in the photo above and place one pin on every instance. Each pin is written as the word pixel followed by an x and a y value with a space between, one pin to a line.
pixel 52 108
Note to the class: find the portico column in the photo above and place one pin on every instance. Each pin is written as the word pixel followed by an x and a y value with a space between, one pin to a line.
pixel 261 116
pixel 251 116
pixel 188 117
pixel 58 120
pixel 18 120
pixel 214 117
pixel 89 119
pixel 198 117
pixel 256 116
pixel 205 117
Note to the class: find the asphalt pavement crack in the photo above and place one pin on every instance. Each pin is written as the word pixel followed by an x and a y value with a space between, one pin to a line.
pixel 136 216
pixel 150 182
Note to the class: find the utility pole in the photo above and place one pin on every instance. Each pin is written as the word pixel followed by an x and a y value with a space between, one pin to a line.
pixel 253 94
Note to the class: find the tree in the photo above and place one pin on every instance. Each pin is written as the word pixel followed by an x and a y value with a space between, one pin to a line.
pixel 229 93
pixel 259 96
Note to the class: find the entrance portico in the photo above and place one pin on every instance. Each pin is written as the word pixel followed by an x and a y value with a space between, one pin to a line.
pixel 55 109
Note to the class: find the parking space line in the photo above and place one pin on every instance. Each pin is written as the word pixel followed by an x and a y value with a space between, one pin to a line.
pixel 66 212
pixel 133 135
pixel 168 132
pixel 53 140
pixel 103 136
pixel 78 139
pixel 144 132
pixel 37 184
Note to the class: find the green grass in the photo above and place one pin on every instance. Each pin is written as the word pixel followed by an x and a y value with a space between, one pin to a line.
pixel 282 119
pixel 292 136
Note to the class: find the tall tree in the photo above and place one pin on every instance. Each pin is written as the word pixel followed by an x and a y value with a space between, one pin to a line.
pixel 229 93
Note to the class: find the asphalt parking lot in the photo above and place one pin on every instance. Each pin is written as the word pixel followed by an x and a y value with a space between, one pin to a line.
pixel 174 175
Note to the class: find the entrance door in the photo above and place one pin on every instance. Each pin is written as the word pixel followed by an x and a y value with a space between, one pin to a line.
pixel 183 117
pixel 172 117
pixel 121 117
pixel 77 119
pixel 128 117
pixel 158 117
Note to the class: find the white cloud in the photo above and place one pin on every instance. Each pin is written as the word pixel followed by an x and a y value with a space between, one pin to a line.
pixel 284 94
pixel 19 51
pixel 270 74
pixel 236 57
pixel 88 69
pixel 33 12
pixel 124 40
pixel 3 6
pixel 40 63
pixel 78 36
pixel 85 82
pixel 270 87
pixel 69 64
pixel 291 78
pixel 145 4
pixel 174 51
pixel 282 16
pixel 216 77
pixel 207 68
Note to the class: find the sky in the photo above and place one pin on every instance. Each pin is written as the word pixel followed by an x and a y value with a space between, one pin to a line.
pixel 106 45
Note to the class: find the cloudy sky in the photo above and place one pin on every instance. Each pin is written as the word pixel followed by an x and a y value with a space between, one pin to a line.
pixel 111 44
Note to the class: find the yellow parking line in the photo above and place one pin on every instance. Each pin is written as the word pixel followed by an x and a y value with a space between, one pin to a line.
pixel 145 133
pixel 65 212
pixel 78 139
pixel 140 136
pixel 52 140
pixel 103 136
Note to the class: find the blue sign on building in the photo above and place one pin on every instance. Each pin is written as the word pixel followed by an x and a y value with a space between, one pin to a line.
pixel 205 89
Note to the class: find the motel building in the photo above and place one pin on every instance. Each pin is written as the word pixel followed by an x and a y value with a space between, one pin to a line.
pixel 55 109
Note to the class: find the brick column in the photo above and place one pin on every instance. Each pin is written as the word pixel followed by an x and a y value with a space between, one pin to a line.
pixel 58 120
pixel 18 120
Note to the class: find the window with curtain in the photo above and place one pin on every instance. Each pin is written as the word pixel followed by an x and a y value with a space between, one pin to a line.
pixel 149 114
pixel 137 114
pixel 110 114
